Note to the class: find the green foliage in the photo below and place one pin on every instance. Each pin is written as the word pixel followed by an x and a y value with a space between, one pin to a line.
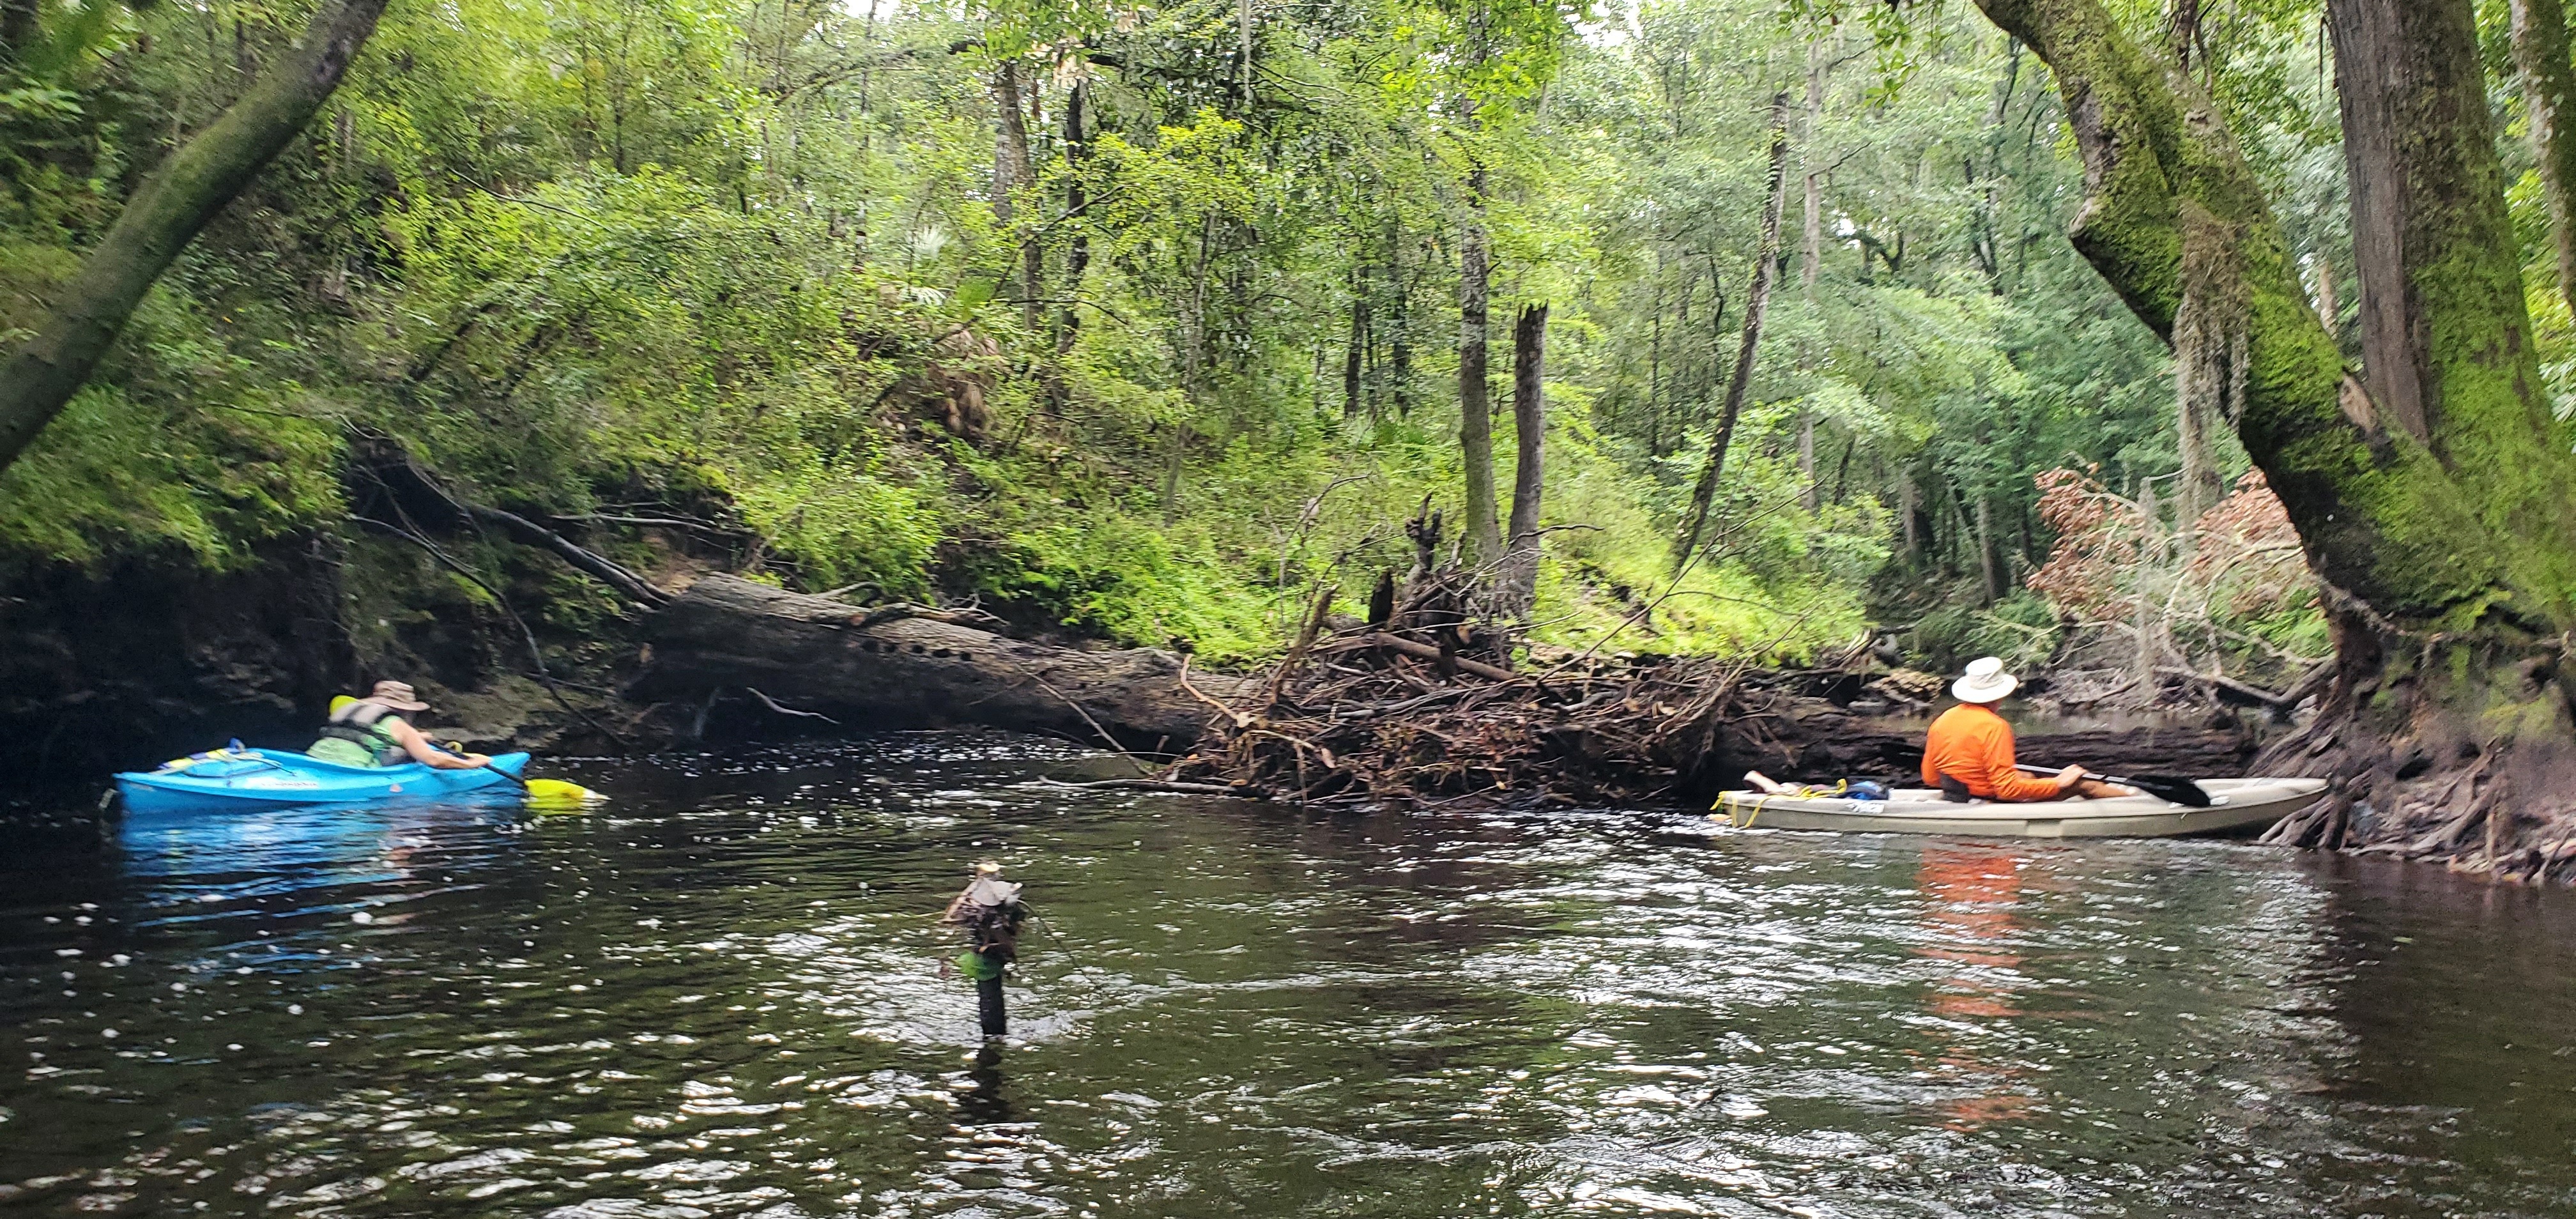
pixel 753 262
pixel 839 528
pixel 120 475
pixel 128 468
pixel 1124 579
pixel 2022 629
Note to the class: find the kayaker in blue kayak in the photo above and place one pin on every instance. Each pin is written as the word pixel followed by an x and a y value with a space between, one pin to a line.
pixel 371 731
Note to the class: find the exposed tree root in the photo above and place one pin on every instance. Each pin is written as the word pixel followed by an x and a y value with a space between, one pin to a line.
pixel 2441 750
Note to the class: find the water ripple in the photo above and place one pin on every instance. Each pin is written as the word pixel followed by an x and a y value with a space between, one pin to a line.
pixel 725 996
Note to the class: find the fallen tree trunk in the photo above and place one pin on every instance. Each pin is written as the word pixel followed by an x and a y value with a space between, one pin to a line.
pixel 823 655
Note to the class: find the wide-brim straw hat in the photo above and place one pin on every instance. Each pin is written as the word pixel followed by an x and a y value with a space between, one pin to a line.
pixel 397 695
pixel 1985 682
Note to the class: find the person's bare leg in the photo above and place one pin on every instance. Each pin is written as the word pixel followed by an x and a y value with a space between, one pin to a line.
pixel 2095 789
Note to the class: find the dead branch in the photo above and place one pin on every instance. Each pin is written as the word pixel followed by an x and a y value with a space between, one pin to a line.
pixel 772 704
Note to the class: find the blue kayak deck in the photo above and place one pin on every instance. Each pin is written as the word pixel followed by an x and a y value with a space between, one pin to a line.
pixel 269 778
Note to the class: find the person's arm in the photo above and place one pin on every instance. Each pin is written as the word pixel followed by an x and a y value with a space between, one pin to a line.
pixel 424 752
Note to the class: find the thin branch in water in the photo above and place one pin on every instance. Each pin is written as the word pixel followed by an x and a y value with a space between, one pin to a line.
pixel 772 704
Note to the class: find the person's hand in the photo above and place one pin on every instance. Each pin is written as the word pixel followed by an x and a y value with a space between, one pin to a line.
pixel 2069 777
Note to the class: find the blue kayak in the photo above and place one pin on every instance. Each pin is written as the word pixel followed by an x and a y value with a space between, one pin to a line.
pixel 270 778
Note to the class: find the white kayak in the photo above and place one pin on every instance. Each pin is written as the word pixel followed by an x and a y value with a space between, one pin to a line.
pixel 2237 806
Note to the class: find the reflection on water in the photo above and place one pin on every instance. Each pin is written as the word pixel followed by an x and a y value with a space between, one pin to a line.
pixel 1970 889
pixel 721 996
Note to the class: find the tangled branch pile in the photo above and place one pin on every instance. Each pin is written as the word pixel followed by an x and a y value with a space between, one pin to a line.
pixel 1368 718
pixel 2223 603
pixel 1419 707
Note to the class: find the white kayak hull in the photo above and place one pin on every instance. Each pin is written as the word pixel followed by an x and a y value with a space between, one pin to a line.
pixel 2242 806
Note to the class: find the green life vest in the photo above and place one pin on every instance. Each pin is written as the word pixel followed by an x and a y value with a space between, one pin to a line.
pixel 366 725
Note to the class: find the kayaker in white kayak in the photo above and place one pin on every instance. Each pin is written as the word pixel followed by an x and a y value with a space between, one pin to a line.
pixel 1969 752
pixel 372 732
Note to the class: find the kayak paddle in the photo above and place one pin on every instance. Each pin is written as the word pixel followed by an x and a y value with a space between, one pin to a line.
pixel 546 795
pixel 2169 788
pixel 543 794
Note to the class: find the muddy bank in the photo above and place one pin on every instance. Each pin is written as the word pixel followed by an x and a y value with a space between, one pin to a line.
pixel 124 666
pixel 144 660
pixel 113 670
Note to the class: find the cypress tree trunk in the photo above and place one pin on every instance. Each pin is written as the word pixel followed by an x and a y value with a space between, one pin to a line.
pixel 1757 303
pixel 1907 506
pixel 1011 172
pixel 2446 338
pixel 2329 306
pixel 2540 58
pixel 1352 351
pixel 1655 367
pixel 1989 578
pixel 1475 413
pixel 1077 255
pixel 1529 425
pixel 1807 459
pixel 2435 501
pixel 1243 54
pixel 1811 251
pixel 180 198
pixel 1399 373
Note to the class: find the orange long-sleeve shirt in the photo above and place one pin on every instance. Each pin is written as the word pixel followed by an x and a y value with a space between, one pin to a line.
pixel 1974 745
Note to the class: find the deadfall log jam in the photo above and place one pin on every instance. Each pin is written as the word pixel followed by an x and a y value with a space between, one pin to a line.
pixel 1360 721
pixel 1609 734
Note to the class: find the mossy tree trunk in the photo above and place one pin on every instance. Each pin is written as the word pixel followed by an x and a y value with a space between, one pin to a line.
pixel 2436 499
pixel 178 200
pixel 1013 172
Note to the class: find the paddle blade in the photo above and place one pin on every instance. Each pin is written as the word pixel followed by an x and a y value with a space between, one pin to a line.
pixel 556 795
pixel 2172 789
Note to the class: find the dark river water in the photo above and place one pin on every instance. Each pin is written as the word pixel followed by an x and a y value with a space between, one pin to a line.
pixel 721 995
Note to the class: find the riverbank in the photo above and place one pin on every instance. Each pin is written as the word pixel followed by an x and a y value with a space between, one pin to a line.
pixel 1387 715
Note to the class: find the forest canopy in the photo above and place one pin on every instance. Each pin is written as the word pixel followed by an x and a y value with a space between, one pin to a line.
pixel 1142 321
